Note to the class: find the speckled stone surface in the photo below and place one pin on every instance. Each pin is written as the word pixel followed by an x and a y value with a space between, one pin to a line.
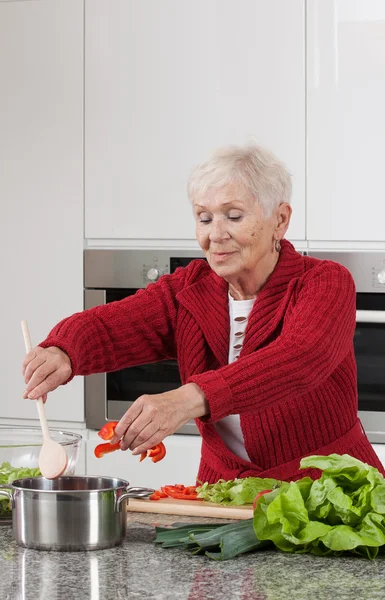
pixel 140 570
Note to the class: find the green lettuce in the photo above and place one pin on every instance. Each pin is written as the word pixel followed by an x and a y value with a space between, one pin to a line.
pixel 8 474
pixel 344 510
pixel 235 492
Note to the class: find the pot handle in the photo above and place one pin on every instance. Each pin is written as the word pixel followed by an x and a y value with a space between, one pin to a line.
pixel 133 492
pixel 6 490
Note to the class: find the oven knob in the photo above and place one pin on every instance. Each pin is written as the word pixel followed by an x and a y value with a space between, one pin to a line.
pixel 381 276
pixel 153 274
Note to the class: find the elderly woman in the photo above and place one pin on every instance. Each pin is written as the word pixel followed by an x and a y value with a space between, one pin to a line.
pixel 263 336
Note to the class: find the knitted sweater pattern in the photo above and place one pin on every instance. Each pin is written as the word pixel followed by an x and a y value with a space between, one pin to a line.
pixel 294 384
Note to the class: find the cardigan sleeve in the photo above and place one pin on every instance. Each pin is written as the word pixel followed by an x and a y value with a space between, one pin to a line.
pixel 136 330
pixel 316 336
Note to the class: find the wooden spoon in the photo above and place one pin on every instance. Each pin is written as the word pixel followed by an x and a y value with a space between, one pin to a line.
pixel 52 458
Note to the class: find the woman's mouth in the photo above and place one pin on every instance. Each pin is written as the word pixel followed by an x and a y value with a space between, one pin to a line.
pixel 221 256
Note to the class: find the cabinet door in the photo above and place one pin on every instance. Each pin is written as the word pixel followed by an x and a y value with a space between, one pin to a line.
pixel 380 451
pixel 41 182
pixel 168 82
pixel 346 120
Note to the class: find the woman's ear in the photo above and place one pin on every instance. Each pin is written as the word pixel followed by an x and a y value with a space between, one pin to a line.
pixel 283 218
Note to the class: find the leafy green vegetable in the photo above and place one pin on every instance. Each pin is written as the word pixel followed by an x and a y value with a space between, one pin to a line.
pixel 219 542
pixel 342 511
pixel 8 474
pixel 235 492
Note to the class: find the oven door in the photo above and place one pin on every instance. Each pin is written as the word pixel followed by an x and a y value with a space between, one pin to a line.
pixel 109 395
pixel 369 345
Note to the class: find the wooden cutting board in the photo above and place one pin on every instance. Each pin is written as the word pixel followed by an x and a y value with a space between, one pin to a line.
pixel 190 508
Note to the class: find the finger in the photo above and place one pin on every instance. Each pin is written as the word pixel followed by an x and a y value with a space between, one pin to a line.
pixel 134 430
pixel 150 443
pixel 142 438
pixel 40 374
pixel 126 421
pixel 44 398
pixel 33 365
pixel 28 357
pixel 50 383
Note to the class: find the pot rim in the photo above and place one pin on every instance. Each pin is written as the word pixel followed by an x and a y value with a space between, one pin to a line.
pixel 17 484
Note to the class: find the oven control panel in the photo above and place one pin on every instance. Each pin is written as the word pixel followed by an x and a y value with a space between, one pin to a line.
pixel 367 268
pixel 130 268
pixel 159 266
pixel 152 272
pixel 379 277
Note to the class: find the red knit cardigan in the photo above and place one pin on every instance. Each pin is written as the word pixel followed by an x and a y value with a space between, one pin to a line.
pixel 294 384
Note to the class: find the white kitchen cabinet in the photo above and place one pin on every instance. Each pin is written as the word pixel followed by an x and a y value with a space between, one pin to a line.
pixel 380 451
pixel 41 188
pixel 168 82
pixel 180 464
pixel 345 120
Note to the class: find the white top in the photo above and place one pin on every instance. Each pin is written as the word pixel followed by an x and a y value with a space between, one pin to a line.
pixel 229 428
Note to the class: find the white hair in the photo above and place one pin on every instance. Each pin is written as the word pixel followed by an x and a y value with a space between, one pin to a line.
pixel 255 168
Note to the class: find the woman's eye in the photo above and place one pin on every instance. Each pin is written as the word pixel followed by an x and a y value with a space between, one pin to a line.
pixel 235 218
pixel 204 220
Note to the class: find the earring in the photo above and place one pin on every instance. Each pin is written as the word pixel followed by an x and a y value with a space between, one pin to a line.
pixel 277 245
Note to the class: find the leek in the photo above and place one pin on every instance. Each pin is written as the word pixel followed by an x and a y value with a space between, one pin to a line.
pixel 217 541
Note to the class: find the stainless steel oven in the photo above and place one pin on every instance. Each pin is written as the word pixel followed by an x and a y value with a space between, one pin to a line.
pixel 368 271
pixel 111 275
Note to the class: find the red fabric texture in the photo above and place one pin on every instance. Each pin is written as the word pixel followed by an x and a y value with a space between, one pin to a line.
pixel 294 384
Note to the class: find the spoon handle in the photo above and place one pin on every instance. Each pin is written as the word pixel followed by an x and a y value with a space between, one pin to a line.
pixel 40 403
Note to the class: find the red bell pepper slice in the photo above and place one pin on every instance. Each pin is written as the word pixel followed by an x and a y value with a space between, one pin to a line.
pixel 181 492
pixel 156 453
pixel 157 495
pixel 103 449
pixel 178 491
pixel 257 497
pixel 108 430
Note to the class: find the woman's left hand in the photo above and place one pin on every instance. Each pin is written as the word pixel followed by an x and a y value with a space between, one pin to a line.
pixel 153 417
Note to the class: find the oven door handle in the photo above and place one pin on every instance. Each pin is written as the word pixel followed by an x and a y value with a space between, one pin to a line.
pixel 370 316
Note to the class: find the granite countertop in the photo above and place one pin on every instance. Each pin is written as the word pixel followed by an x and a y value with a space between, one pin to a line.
pixel 139 569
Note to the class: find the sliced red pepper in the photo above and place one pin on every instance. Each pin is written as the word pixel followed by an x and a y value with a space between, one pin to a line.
pixel 156 453
pixel 257 497
pixel 181 492
pixel 157 495
pixel 103 449
pixel 177 491
pixel 108 430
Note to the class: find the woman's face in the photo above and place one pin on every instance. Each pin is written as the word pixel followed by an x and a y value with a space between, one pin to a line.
pixel 232 231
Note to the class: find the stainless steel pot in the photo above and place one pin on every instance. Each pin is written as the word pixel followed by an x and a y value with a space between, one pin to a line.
pixel 70 513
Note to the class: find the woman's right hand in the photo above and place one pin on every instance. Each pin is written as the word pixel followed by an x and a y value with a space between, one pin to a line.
pixel 44 369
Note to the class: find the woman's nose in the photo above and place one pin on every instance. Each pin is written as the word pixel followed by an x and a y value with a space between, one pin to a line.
pixel 218 230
